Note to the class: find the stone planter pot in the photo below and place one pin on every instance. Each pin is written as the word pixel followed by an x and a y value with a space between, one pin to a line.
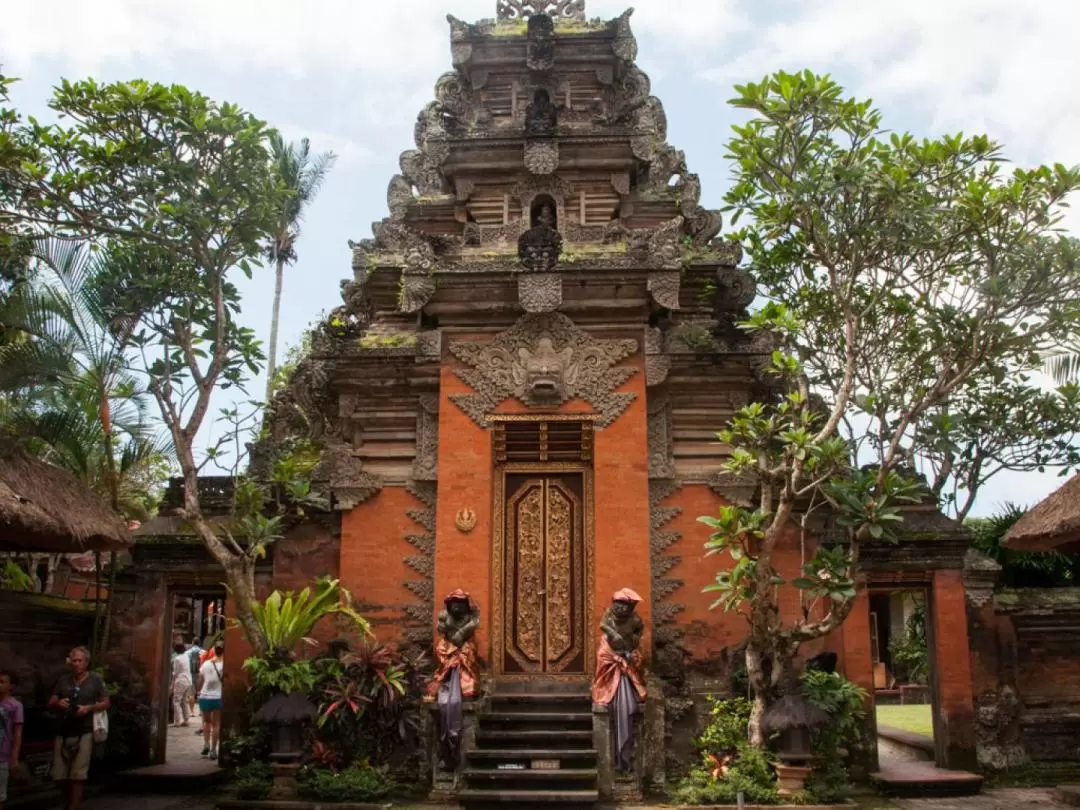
pixel 791 779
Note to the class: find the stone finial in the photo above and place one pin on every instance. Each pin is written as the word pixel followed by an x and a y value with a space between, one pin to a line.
pixel 523 9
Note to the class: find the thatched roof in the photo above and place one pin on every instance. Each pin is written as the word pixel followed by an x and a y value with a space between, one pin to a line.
pixel 46 509
pixel 1051 525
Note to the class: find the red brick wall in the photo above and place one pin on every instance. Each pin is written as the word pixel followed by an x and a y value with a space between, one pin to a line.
pixel 954 728
pixel 373 552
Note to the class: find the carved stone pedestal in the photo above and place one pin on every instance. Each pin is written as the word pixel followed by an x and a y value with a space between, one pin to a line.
pixel 791 779
pixel 284 786
pixel 445 782
pixel 613 785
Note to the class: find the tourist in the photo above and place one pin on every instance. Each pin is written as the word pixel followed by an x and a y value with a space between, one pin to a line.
pixel 194 652
pixel 11 728
pixel 78 695
pixel 211 675
pixel 181 685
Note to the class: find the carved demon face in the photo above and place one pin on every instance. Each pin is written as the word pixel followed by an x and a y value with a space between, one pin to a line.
pixel 622 609
pixel 544 374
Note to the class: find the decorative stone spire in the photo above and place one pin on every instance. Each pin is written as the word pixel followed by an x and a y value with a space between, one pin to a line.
pixel 523 9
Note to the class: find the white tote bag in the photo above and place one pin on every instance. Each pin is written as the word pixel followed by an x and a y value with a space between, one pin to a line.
pixel 101 726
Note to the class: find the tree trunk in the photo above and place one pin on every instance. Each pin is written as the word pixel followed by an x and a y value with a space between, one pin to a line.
pixel 106 630
pixel 95 649
pixel 275 315
pixel 759 687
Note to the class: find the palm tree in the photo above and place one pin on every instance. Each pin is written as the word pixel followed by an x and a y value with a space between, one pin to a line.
pixel 1064 365
pixel 302 173
pixel 64 371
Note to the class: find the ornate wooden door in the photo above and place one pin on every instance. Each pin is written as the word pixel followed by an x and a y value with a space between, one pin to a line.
pixel 544 574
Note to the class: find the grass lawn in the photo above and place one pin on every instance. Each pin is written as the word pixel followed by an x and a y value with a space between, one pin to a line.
pixel 916 719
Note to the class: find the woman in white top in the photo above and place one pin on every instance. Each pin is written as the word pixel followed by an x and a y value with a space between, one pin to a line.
pixel 181 685
pixel 211 674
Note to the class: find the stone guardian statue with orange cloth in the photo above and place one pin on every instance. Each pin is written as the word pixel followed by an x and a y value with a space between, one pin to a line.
pixel 618 683
pixel 456 671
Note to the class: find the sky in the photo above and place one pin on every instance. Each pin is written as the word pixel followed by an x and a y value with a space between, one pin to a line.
pixel 352 75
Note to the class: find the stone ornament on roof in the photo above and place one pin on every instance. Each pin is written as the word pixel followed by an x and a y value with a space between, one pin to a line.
pixel 522 9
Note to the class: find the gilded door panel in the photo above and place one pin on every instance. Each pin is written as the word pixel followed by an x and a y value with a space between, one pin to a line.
pixel 544 576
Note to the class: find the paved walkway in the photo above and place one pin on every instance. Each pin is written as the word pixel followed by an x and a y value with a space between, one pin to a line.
pixel 1006 799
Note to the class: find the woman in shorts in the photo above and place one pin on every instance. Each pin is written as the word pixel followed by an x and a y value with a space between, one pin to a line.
pixel 211 675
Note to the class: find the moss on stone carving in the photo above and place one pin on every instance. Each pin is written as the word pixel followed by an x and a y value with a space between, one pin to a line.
pixel 1039 599
pixel 585 251
pixel 398 341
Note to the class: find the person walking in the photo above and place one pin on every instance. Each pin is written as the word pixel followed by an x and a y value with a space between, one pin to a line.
pixel 181 685
pixel 78 696
pixel 210 690
pixel 11 728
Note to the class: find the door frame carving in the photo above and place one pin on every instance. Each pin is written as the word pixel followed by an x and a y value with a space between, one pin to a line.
pixel 498 538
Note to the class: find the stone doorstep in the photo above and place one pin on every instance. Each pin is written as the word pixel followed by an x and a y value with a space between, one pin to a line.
pixel 907 738
pixel 842 806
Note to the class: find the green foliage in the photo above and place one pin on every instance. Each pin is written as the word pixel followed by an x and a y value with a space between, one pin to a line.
pixel 844 703
pixel 370 702
pixel 252 782
pixel 910 655
pixel 1021 569
pixel 285 620
pixel 729 764
pixel 14 578
pixel 360 783
pixel 274 674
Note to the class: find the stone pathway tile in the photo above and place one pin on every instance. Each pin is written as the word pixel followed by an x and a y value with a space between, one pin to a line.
pixel 1004 799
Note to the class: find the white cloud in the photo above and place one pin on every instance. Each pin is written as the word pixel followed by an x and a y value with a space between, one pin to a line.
pixel 994 66
pixel 350 153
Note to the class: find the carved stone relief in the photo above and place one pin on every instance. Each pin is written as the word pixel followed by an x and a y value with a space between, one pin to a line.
pixel 417 288
pixel 461 49
pixel 737 288
pixel 540 292
pixel 522 9
pixel 544 360
pixel 625 45
pixel 661 442
pixel 665 245
pixel 664 288
pixel 422 614
pixel 399 195
pixel 425 464
pixel 429 344
pixel 347 481
pixel 660 540
pixel 657 363
pixel 704 226
pixel 541 156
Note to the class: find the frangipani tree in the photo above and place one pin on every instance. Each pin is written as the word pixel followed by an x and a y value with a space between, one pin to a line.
pixel 897 272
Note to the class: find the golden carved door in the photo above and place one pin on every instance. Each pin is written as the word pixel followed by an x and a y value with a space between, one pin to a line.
pixel 544 574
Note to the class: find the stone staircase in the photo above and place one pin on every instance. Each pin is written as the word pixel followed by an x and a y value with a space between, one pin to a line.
pixel 533 748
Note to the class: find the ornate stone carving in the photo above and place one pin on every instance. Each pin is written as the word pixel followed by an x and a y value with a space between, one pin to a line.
pixel 657 363
pixel 420 173
pixel 704 225
pixel 660 540
pixel 540 292
pixel 625 45
pixel 541 156
pixel 399 196
pixel 465 520
pixel 665 245
pixel 688 190
pixel 420 615
pixel 736 490
pixel 661 442
pixel 664 288
pixel 526 190
pixel 461 48
pixel 632 89
pixel 540 52
pixel 521 9
pixel 429 344
pixel 539 247
pixel 650 119
pixel 620 181
pixel 425 463
pixel 348 482
pixel 544 360
pixel 667 162
pixel 737 288
pixel 416 290
pixel 454 97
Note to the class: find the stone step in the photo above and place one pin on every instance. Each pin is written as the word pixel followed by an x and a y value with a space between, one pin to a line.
pixel 923 780
pixel 531 779
pixel 542 738
pixel 540 702
pixel 534 719
pixel 527 797
pixel 490 757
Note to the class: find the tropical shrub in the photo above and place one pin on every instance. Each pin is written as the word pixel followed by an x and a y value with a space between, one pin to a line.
pixel 359 783
pixel 253 781
pixel 286 620
pixel 910 655
pixel 844 703
pixel 729 764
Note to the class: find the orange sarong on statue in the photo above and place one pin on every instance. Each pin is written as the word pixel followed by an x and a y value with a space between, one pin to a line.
pixel 447 656
pixel 610 666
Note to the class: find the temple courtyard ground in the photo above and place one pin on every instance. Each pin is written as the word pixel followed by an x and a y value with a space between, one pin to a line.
pixel 1004 799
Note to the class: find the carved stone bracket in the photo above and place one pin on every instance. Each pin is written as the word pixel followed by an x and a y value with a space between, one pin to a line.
pixel 737 491
pixel 980 577
pixel 664 288
pixel 661 442
pixel 541 156
pixel 657 363
pixel 523 9
pixel 544 360
pixel 665 245
pixel 348 482
pixel 417 288
pixel 422 614
pixel 425 464
pixel 540 292
pixel 429 345
pixel 737 288
pixel 624 45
